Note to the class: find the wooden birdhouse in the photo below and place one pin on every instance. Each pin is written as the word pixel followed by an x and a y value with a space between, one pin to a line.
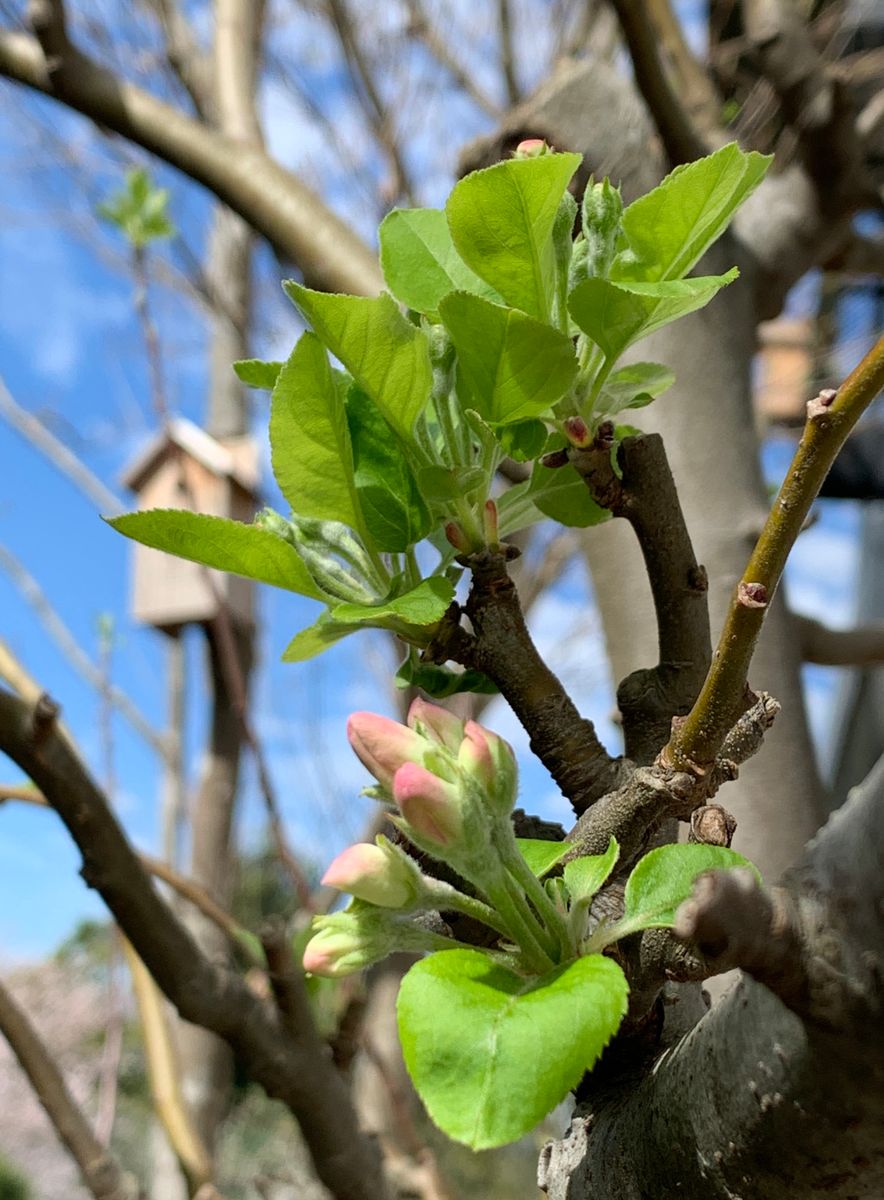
pixel 184 467
pixel 785 368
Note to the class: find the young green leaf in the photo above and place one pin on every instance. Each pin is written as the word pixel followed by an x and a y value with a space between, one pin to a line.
pixel 423 605
pixel 584 876
pixel 392 507
pixel 386 355
pixel 490 1052
pixel 617 314
pixel 441 682
pixel 623 386
pixel 523 440
pixel 439 484
pixel 316 638
pixel 664 878
pixel 225 545
pixel 670 228
pixel 501 222
pixel 541 856
pixel 309 439
pixel 255 373
pixel 514 367
pixel 560 493
pixel 419 261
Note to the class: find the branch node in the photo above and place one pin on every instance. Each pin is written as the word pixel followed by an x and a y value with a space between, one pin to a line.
pixel 43 720
pixel 821 403
pixel 752 595
pixel 712 825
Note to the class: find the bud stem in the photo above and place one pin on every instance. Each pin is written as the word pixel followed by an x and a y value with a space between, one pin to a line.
pixel 521 924
pixel 555 924
pixel 445 897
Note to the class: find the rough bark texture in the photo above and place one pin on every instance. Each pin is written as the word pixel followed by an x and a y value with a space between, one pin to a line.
pixel 757 1102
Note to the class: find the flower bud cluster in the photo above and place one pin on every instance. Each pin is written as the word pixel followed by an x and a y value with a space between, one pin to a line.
pixel 454 784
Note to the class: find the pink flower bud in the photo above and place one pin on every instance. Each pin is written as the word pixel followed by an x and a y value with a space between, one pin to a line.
pixel 383 745
pixel 335 952
pixel 430 806
pixel 373 874
pixel 531 148
pixel 437 722
pixel 490 760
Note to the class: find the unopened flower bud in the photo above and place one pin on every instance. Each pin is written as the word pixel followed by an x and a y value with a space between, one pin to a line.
pixel 379 874
pixel 602 212
pixel 489 522
pixel 491 762
pixel 430 806
pixel 531 148
pixel 350 940
pixel 577 432
pixel 433 721
pixel 555 459
pixel 383 745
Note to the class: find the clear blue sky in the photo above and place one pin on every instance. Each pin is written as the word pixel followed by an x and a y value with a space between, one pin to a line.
pixel 70 350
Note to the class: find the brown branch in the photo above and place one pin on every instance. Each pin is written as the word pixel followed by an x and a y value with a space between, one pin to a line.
pixel 100 1170
pixel 419 27
pixel 731 921
pixel 862 647
pixel 502 648
pixel 271 199
pixel 680 139
pixel 189 62
pixel 830 418
pixel 645 495
pixel 111 1051
pixel 295 1071
pixel 814 103
pixel 377 112
pixel 507 52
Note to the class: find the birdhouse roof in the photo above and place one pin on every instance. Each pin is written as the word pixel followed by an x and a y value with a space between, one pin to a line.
pixel 236 459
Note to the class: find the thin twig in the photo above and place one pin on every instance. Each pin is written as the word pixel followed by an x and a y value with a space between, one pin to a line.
pixel 33 429
pixel 421 28
pixel 101 1172
pixel 111 1051
pixel 830 418
pixel 507 52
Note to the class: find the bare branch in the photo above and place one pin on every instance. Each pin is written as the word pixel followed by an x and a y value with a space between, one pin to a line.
pixel 163 1076
pixel 421 28
pixel 295 1071
pixel 830 418
pixel 271 199
pixel 862 647
pixel 101 1172
pixel 645 495
pixel 378 113
pixel 507 52
pixel 31 428
pixel 74 653
pixel 680 139
pixel 189 62
pixel 501 647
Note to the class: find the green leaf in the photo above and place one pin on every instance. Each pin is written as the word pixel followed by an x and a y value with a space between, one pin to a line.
pixel 439 484
pixel 309 439
pixel 617 314
pixel 387 356
pixel 585 875
pixel 441 682
pixel 225 545
pixel 670 228
pixel 665 877
pixel 541 856
pixel 392 507
pixel 523 440
pixel 316 638
pixel 514 367
pixel 256 373
pixel 501 222
pixel 560 493
pixel 638 379
pixel 419 261
pixel 490 1052
pixel 423 605
pixel 516 510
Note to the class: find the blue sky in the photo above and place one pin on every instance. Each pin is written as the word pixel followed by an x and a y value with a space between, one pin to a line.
pixel 70 350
